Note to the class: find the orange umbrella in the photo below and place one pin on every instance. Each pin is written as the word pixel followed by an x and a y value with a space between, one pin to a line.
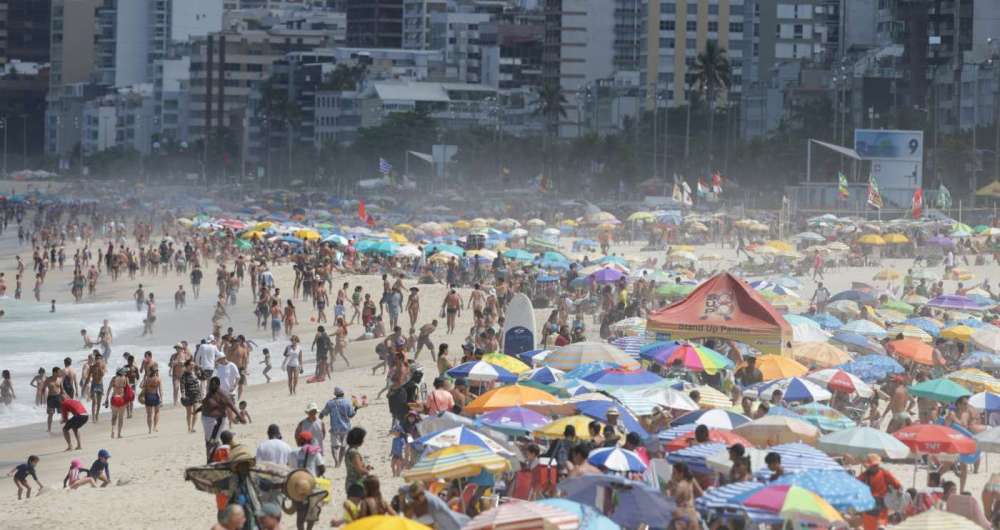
pixel 914 350
pixel 778 367
pixel 510 396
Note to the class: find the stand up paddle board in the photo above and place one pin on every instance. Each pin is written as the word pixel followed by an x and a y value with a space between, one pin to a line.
pixel 519 333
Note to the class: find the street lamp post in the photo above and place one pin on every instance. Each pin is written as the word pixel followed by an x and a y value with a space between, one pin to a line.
pixel 3 123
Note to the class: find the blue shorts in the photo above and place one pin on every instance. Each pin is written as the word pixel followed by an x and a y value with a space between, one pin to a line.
pixel 275 324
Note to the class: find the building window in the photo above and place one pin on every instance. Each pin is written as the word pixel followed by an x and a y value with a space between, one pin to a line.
pixel 713 9
pixel 692 25
pixel 667 43
pixel 713 25
pixel 667 25
pixel 668 8
pixel 798 31
pixel 735 27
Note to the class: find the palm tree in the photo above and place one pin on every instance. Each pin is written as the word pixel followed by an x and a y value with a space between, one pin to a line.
pixel 711 75
pixel 550 104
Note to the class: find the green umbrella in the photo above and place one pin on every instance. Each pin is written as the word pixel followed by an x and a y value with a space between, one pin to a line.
pixel 243 244
pixel 674 290
pixel 898 305
pixel 943 390
pixel 825 417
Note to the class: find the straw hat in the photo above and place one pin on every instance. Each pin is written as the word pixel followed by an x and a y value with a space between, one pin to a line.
pixel 299 485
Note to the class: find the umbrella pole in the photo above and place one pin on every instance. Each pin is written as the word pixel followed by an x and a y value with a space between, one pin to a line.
pixel 916 463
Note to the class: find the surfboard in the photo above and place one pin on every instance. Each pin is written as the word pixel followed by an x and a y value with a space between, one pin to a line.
pixel 519 329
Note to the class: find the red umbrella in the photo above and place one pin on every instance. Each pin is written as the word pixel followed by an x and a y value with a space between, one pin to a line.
pixel 714 435
pixel 935 439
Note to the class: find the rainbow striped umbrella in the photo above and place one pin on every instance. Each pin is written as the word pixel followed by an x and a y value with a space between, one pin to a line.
pixel 694 357
pixel 458 461
pixel 791 502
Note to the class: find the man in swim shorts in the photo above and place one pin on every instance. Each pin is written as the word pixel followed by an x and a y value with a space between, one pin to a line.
pixel 96 374
pixel 53 394
pixel 78 419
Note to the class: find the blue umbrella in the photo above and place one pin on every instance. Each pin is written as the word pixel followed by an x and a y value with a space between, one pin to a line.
pixel 826 321
pixel 782 411
pixel 598 410
pixel 800 457
pixel 460 435
pixel 925 324
pixel 987 401
pixel 620 377
pixel 529 356
pixel 695 456
pixel 545 375
pixel 826 418
pixel 974 323
pixel 611 259
pixel 444 247
pixel 546 278
pixel 589 368
pixel 617 459
pixel 676 432
pixel 481 371
pixel 649 351
pixel 631 345
pixel 519 255
pixel 873 367
pixel 795 389
pixel 837 487
pixel 514 419
pixel 290 239
pixel 983 360
pixel 554 256
pixel 590 518
pixel 864 328
pixel 854 295
pixel 635 503
pixel 857 343
pixel 551 264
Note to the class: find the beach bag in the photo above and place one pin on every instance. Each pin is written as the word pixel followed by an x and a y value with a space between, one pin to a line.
pixel 129 393
pixel 142 397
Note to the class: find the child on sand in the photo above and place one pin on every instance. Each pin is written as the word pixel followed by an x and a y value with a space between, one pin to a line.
pixel 99 470
pixel 244 413
pixel 352 506
pixel 267 364
pixel 75 479
pixel 7 395
pixel 398 451
pixel 21 473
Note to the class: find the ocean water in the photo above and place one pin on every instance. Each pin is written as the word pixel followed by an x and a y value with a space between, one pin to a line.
pixel 31 337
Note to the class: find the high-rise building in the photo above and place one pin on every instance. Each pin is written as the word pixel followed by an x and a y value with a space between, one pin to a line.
pixel 512 54
pixel 674 32
pixel 375 23
pixel 71 56
pixel 24 30
pixel 458 35
pixel 121 45
pixel 578 50
pixel 417 21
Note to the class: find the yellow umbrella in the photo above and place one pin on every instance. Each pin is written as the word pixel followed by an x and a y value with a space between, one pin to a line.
pixel 479 222
pixel 959 274
pixel 896 239
pixel 569 222
pixel 311 235
pixel 820 354
pixel 641 216
pixel 404 227
pixel 887 275
pixel 457 461
pixel 462 224
pixel 871 239
pixel 555 429
pixel 909 331
pixel 778 367
pixel 961 333
pixel 780 245
pixel 252 234
pixel 442 257
pixel 396 237
pixel 507 362
pixel 990 190
pixel 185 222
pixel 976 380
pixel 386 522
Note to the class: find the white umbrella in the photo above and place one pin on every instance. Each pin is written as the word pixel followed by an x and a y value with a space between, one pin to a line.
pixel 860 441
pixel 989 440
pixel 987 338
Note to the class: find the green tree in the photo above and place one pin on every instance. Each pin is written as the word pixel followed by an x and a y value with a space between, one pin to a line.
pixel 550 104
pixel 711 74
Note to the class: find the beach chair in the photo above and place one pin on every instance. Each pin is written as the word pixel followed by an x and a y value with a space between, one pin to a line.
pixel 468 495
pixel 967 506
pixel 521 485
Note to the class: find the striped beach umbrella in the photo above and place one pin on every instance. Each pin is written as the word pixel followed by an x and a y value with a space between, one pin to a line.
pixel 820 354
pixel 713 419
pixel 520 515
pixel 694 357
pixel 794 389
pixel 459 436
pixel 481 371
pixel 507 362
pixel 573 355
pixel 617 459
pixel 825 417
pixel 838 380
pixel 860 441
pixel 770 430
pixel 511 396
pixel 545 375
pixel 514 419
pixel 459 461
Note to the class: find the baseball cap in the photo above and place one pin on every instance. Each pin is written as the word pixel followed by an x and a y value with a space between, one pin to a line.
pixel 337 391
pixel 103 453
pixel 312 407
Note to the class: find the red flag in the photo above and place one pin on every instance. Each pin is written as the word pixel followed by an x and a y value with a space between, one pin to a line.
pixel 370 221
pixel 362 213
pixel 918 203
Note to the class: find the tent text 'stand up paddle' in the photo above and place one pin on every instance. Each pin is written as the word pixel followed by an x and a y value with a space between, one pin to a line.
pixel 724 307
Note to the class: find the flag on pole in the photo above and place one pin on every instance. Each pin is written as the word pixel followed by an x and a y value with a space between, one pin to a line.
pixel 686 199
pixel 918 203
pixel 944 197
pixel 362 212
pixel 842 191
pixel 874 197
pixel 384 166
pixel 716 183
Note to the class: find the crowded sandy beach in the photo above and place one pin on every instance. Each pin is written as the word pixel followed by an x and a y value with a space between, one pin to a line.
pixel 697 368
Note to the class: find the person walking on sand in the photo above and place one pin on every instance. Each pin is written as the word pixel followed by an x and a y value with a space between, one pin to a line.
pixel 215 409
pixel 452 307
pixel 152 390
pixel 339 344
pixel 290 318
pixel 293 364
pixel 96 376
pixel 413 306
pixel 118 397
pixel 190 393
pixel 340 410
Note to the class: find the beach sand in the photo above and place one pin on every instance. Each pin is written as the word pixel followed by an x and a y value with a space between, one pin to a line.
pixel 148 489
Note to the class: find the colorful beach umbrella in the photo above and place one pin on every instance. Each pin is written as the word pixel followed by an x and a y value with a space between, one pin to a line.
pixel 986 401
pixel 714 435
pixel 771 430
pixel 778 367
pixel 838 487
pixel 507 362
pixel 617 377
pixel 820 354
pixel 460 436
pixel 459 461
pixel 573 355
pixel 590 519
pixel 825 417
pixel 935 519
pixel 545 375
pixel 975 380
pixel 792 503
pixel 794 389
pixel 955 302
pixel 860 441
pixel 554 429
pixel 694 357
pixel 943 390
pixel 713 419
pixel 960 333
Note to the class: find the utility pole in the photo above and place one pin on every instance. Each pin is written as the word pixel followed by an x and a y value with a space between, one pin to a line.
pixel 4 123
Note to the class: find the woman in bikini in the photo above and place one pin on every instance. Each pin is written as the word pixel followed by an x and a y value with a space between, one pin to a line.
pixel 291 319
pixel 152 389
pixel 340 341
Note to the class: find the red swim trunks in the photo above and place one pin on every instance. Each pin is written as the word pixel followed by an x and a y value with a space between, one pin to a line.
pixel 117 401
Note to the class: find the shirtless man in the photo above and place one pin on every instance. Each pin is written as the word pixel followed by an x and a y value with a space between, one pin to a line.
pixel 84 379
pixel 88 342
pixel 239 354
pixel 117 400
pixel 477 300
pixel 900 406
pixel 140 298
pixel 96 376
pixel 453 308
pixel 147 328
pixel 52 392
pixel 424 339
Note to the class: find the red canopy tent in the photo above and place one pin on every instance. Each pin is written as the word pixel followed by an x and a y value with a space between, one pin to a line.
pixel 724 307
